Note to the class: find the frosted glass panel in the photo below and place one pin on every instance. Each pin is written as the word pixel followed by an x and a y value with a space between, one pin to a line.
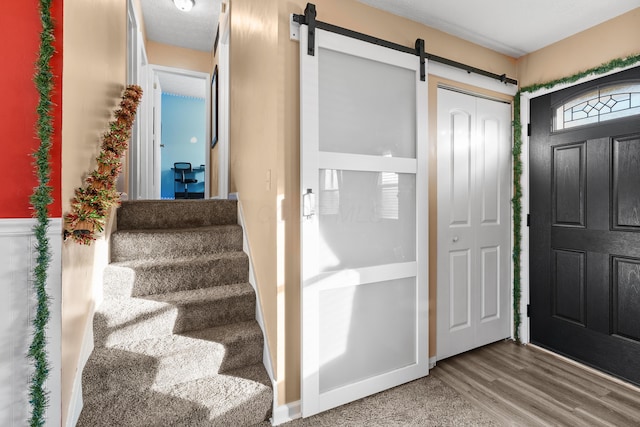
pixel 366 107
pixel 366 330
pixel 365 219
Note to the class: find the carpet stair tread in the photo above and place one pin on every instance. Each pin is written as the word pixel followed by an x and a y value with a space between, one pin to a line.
pixel 152 316
pixel 162 275
pixel 174 359
pixel 240 398
pixel 155 214
pixel 174 242
pixel 176 342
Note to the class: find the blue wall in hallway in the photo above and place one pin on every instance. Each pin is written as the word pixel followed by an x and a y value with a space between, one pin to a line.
pixel 183 118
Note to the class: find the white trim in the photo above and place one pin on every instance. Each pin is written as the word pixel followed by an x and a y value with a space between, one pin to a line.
pixel 224 88
pixel 285 413
pixel 461 76
pixel 432 362
pixel 17 241
pixel 266 354
pixel 75 402
pixel 525 100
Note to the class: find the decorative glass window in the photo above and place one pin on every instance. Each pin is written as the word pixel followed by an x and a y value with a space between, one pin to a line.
pixel 598 105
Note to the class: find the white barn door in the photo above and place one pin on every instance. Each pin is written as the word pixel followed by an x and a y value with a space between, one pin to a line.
pixel 364 225
pixel 474 251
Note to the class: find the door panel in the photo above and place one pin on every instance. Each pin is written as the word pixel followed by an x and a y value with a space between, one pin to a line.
pixel 364 227
pixel 584 250
pixel 474 166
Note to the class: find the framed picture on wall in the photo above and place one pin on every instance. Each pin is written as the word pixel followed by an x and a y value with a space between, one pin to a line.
pixel 214 108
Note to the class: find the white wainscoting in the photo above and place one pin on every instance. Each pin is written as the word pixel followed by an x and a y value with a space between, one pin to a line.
pixel 17 308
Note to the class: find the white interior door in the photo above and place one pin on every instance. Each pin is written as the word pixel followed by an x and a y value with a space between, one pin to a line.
pixel 474 170
pixel 364 225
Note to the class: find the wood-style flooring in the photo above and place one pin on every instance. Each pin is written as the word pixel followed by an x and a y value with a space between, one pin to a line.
pixel 526 386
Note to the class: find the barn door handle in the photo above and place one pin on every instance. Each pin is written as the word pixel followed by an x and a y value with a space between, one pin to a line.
pixel 308 204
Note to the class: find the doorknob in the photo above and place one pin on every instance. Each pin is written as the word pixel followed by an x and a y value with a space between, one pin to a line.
pixel 455 239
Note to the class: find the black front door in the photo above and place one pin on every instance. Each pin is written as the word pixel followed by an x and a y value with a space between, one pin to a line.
pixel 585 223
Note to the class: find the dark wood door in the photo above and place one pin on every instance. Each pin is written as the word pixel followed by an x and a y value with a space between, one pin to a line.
pixel 585 233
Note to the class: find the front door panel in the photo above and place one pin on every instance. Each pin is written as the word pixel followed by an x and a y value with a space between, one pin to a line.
pixel 585 244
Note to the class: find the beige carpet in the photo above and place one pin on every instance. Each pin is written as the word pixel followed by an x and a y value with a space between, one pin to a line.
pixel 424 402
pixel 176 341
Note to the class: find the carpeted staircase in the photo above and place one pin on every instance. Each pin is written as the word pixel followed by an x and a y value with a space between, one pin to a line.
pixel 176 341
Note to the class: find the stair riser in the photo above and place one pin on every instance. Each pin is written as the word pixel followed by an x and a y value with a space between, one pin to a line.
pixel 109 369
pixel 108 375
pixel 205 315
pixel 142 409
pixel 138 408
pixel 150 214
pixel 126 282
pixel 132 246
pixel 142 319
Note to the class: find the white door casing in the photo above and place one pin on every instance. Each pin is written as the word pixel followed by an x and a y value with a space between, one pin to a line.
pixel 474 251
pixel 364 234
pixel 156 124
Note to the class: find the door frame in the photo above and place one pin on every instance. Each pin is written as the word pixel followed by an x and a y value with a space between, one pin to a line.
pixel 137 63
pixel 154 174
pixel 525 99
pixel 223 102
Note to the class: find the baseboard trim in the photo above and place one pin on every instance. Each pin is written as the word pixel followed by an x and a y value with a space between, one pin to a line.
pixel 266 354
pixel 76 403
pixel 287 412
pixel 432 362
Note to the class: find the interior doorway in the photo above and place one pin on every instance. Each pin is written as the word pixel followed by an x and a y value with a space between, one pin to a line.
pixel 175 128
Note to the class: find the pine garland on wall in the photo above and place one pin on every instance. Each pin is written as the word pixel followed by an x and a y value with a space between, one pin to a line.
pixel 90 206
pixel 615 64
pixel 91 201
pixel 40 200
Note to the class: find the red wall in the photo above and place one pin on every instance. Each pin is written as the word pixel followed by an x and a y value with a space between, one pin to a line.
pixel 19 43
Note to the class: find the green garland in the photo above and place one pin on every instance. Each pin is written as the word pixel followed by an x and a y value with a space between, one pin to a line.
pixel 517 168
pixel 40 200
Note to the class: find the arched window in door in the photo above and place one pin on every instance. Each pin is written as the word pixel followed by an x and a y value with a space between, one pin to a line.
pixel 598 105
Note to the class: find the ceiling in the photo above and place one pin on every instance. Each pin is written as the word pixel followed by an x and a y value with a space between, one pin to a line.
pixel 182 85
pixel 195 29
pixel 512 27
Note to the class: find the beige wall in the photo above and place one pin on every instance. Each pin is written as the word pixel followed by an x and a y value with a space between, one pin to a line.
pixel 94 44
pixel 617 38
pixel 178 57
pixel 253 125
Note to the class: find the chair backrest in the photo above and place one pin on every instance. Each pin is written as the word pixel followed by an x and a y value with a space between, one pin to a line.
pixel 182 167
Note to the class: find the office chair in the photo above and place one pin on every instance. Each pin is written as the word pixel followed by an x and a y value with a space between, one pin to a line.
pixel 182 170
